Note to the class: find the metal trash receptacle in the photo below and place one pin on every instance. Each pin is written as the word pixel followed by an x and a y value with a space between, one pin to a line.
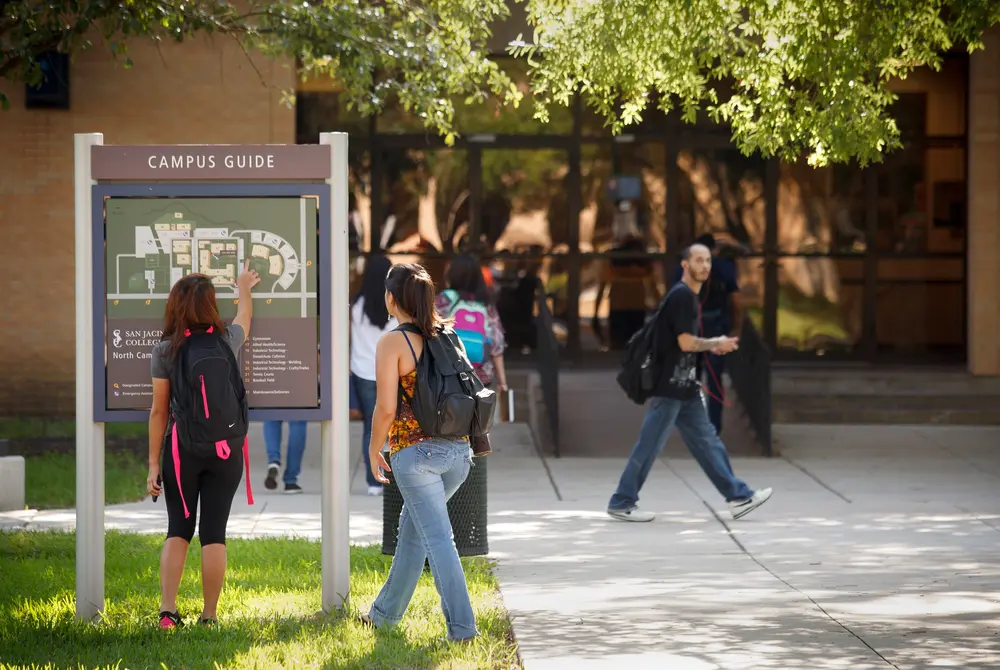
pixel 467 510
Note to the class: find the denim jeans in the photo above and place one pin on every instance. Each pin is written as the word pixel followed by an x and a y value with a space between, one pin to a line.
pixel 701 439
pixel 364 391
pixel 296 447
pixel 428 474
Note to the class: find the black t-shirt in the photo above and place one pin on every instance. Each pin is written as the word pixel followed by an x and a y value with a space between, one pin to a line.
pixel 680 369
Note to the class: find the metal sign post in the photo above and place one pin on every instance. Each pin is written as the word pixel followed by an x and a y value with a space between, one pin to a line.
pixel 89 434
pixel 336 436
pixel 146 216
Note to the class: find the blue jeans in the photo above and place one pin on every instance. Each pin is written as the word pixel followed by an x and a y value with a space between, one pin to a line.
pixel 428 474
pixel 701 439
pixel 364 392
pixel 296 447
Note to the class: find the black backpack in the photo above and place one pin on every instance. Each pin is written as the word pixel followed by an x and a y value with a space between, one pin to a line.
pixel 641 367
pixel 449 400
pixel 208 402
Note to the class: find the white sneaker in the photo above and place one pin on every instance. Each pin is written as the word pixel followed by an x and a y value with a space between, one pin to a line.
pixel 740 508
pixel 634 514
pixel 374 490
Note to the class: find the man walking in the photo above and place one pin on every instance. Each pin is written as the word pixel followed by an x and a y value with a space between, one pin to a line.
pixel 720 315
pixel 676 400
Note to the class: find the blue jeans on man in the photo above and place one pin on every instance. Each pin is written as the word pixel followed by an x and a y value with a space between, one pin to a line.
pixel 427 475
pixel 296 447
pixel 701 439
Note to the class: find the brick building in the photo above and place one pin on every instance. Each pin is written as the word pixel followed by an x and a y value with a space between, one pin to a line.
pixel 895 263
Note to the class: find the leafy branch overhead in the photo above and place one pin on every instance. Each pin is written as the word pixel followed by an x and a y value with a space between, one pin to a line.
pixel 421 53
pixel 789 76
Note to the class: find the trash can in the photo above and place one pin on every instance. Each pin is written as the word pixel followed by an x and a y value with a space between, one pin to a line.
pixel 467 510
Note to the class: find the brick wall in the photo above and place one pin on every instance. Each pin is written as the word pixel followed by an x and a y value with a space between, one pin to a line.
pixel 984 208
pixel 206 91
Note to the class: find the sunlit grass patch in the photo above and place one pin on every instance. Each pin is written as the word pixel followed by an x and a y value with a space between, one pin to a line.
pixel 270 614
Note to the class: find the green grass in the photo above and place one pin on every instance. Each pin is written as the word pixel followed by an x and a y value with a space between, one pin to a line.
pixel 50 479
pixel 28 428
pixel 268 616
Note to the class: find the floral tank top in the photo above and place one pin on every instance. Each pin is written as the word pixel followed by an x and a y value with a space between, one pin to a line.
pixel 405 430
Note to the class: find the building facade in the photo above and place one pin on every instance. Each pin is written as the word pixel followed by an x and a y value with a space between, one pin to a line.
pixel 895 263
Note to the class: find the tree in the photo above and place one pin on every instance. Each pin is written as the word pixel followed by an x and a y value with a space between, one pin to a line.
pixel 789 76
pixel 421 53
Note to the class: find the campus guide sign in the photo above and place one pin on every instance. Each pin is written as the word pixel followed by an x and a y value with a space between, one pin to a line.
pixel 146 216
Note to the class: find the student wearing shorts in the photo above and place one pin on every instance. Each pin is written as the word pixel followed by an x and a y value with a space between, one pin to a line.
pixel 188 477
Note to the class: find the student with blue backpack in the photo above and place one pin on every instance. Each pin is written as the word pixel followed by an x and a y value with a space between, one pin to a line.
pixel 198 423
pixel 467 303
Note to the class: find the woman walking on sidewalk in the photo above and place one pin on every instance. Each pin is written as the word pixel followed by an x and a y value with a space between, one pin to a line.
pixel 198 392
pixel 370 320
pixel 428 470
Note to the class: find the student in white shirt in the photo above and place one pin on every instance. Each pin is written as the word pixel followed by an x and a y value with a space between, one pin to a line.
pixel 369 321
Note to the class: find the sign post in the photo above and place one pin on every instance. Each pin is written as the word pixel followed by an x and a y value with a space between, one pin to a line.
pixel 89 434
pixel 336 531
pixel 146 216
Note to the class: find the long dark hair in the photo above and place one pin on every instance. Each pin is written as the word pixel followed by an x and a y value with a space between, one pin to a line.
pixel 465 276
pixel 373 290
pixel 190 306
pixel 412 288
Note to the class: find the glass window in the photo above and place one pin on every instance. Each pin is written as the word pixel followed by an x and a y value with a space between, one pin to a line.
pixel 359 184
pixel 624 197
pixel 722 192
pixel 821 210
pixel 516 283
pixel 525 207
pixel 922 201
pixel 617 293
pixel 921 317
pixel 933 103
pixel 324 112
pixel 425 201
pixel 820 304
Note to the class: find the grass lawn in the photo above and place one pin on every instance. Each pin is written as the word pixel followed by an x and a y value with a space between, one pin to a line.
pixel 27 427
pixel 268 616
pixel 50 479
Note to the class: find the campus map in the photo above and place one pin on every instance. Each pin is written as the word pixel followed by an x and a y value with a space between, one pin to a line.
pixel 153 242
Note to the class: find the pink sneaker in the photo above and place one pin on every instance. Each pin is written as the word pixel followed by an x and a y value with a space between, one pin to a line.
pixel 170 620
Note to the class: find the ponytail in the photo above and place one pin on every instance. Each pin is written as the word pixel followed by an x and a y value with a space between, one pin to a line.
pixel 412 288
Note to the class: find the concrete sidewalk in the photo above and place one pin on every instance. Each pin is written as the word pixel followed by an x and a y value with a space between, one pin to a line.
pixel 878 550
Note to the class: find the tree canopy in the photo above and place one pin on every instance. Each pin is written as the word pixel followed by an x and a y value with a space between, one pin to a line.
pixel 790 77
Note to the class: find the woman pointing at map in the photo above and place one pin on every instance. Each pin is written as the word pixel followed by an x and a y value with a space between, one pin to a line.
pixel 199 419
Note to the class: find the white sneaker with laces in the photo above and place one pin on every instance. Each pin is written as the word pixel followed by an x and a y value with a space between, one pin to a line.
pixel 740 508
pixel 634 514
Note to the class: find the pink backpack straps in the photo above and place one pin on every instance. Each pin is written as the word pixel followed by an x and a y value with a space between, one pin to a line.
pixel 176 454
pixel 246 466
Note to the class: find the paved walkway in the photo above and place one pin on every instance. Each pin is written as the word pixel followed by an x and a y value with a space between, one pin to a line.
pixel 878 550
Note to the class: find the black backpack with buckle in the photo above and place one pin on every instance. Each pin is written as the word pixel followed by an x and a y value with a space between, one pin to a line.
pixel 449 400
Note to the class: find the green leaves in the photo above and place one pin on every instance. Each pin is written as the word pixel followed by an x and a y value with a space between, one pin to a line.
pixel 789 77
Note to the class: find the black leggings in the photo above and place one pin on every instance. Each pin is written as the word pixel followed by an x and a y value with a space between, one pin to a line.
pixel 212 479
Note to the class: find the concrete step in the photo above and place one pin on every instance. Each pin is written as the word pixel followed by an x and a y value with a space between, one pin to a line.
pixel 959 410
pixel 867 381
